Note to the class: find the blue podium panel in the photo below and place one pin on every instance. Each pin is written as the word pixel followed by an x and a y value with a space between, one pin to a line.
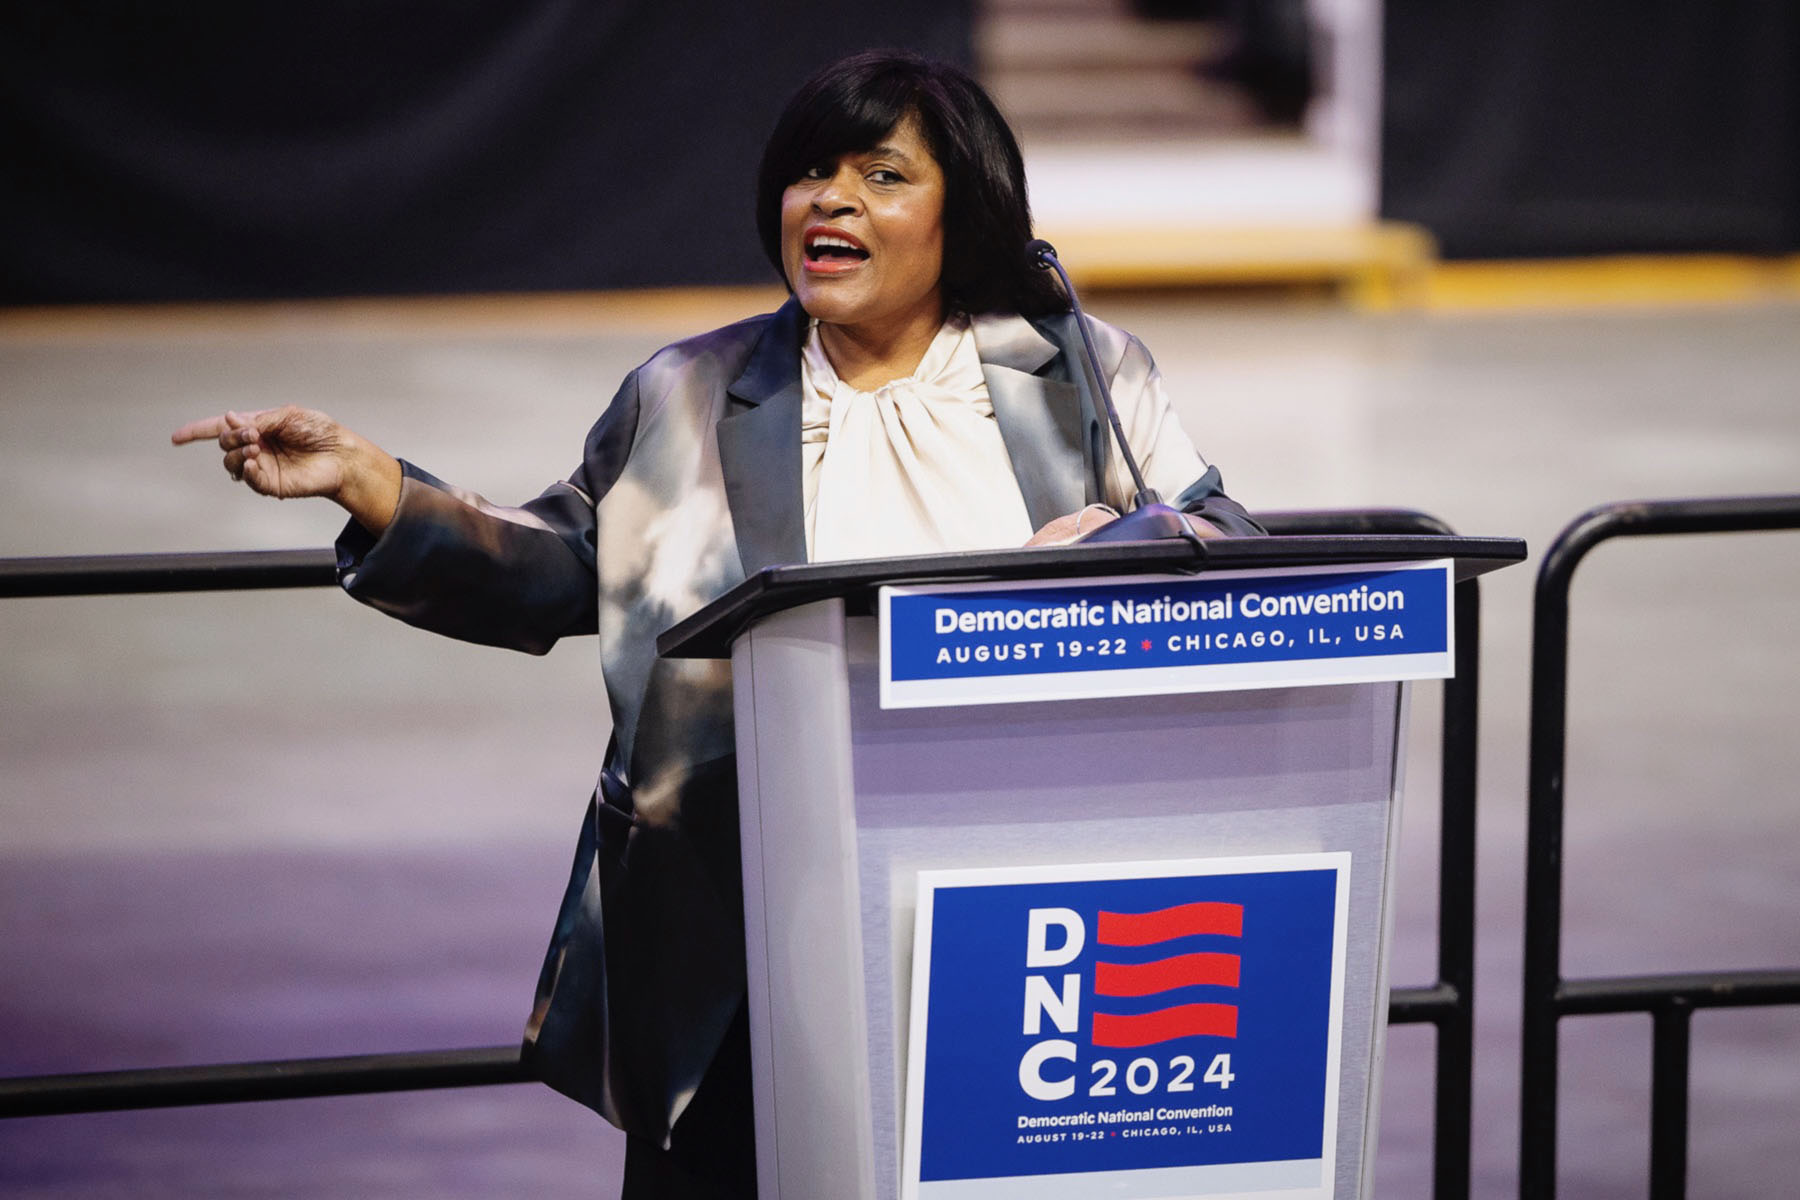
pixel 1127 1029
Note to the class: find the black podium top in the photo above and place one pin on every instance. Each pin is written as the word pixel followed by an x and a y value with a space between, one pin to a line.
pixel 709 632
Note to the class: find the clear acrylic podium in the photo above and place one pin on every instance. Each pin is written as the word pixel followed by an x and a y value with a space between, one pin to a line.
pixel 844 802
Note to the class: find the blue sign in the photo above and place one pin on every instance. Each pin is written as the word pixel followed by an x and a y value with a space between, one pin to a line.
pixel 994 643
pixel 1077 1026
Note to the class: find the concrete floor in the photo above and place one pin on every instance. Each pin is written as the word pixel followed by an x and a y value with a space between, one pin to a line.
pixel 260 825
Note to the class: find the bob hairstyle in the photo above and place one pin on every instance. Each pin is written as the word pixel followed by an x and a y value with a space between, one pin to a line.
pixel 852 104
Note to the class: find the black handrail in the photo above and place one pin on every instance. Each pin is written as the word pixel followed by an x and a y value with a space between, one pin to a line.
pixel 283 1079
pixel 1670 999
pixel 1447 1003
pixel 139 574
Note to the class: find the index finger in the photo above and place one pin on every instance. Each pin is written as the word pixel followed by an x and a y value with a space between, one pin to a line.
pixel 202 430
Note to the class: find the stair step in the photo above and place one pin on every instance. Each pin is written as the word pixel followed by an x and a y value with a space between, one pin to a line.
pixel 1088 69
pixel 1159 101
pixel 1087 40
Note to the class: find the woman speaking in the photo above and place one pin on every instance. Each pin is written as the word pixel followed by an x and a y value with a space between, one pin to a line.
pixel 923 390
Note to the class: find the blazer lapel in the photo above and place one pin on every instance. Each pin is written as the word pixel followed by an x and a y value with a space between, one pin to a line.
pixel 759 448
pixel 1040 416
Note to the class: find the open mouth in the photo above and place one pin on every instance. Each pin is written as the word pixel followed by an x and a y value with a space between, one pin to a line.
pixel 834 249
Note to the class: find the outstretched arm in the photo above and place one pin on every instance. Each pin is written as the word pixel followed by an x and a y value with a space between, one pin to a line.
pixel 434 555
pixel 290 452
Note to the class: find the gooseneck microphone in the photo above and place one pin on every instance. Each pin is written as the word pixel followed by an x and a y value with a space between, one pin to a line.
pixel 1149 519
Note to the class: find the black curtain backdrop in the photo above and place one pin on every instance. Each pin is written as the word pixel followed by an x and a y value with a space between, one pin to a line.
pixel 210 150
pixel 1543 127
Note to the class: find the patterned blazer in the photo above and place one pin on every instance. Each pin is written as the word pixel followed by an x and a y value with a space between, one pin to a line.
pixel 689 482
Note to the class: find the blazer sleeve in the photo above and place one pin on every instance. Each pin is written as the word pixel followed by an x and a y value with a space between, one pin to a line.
pixel 1166 456
pixel 521 578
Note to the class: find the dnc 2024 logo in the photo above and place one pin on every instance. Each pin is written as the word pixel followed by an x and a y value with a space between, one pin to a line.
pixel 1165 979
pixel 1180 1015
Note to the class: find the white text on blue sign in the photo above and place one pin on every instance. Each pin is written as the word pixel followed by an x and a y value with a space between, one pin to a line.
pixel 994 643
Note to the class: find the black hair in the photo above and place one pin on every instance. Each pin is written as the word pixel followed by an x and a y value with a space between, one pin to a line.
pixel 852 104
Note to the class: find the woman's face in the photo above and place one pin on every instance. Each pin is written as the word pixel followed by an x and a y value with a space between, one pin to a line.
pixel 862 238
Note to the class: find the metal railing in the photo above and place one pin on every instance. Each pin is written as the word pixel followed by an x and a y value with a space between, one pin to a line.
pixel 1670 999
pixel 223 1083
pixel 1447 1003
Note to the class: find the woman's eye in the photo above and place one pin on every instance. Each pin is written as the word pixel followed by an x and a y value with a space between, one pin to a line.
pixel 819 172
pixel 883 175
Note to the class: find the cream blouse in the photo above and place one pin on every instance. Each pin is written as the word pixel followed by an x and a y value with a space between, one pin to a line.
pixel 916 466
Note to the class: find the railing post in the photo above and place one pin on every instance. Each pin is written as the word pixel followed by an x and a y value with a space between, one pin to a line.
pixel 1451 1119
pixel 1543 863
pixel 1449 1004
pixel 1670 1029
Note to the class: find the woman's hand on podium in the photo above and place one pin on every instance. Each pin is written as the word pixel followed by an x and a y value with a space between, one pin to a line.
pixel 290 452
pixel 1072 527
pixel 1066 529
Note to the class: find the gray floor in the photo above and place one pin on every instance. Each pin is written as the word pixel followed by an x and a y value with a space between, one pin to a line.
pixel 250 826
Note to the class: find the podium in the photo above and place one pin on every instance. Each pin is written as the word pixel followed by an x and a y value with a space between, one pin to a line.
pixel 1146 867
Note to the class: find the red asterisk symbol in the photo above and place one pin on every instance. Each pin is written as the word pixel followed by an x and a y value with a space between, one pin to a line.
pixel 1146 643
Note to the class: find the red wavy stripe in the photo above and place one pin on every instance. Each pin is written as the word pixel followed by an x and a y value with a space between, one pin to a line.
pixel 1184 920
pixel 1184 970
pixel 1165 1025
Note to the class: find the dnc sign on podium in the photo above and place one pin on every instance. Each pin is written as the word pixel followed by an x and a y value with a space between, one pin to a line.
pixel 1127 1029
